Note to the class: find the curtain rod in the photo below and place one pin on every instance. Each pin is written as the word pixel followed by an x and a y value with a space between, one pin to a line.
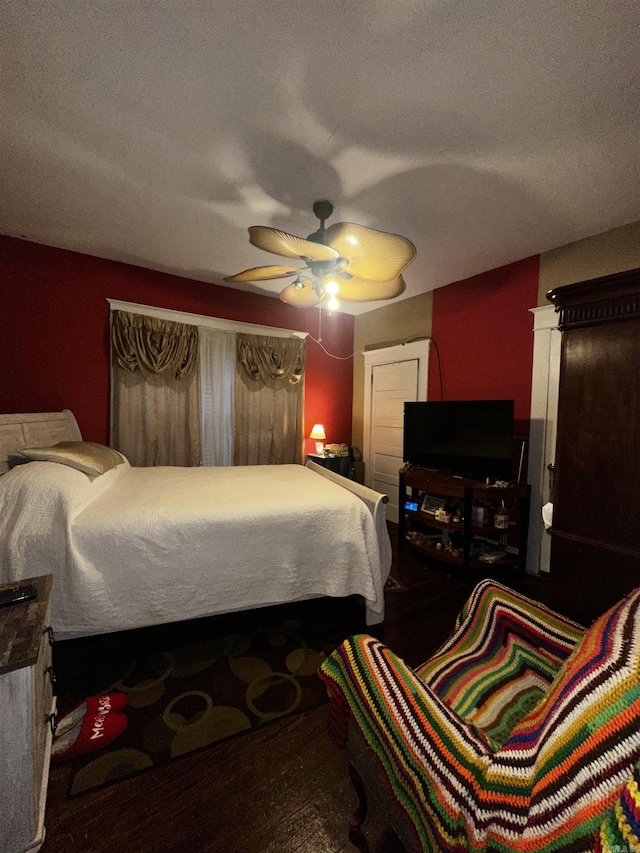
pixel 203 320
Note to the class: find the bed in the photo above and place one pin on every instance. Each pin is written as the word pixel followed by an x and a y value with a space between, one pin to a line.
pixel 134 547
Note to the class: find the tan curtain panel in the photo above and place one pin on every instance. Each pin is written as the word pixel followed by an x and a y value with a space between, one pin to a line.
pixel 155 411
pixel 155 419
pixel 152 345
pixel 266 358
pixel 269 400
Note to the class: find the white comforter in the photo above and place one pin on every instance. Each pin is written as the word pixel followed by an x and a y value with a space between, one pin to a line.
pixel 143 546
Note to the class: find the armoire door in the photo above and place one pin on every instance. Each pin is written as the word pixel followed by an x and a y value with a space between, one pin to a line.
pixel 595 550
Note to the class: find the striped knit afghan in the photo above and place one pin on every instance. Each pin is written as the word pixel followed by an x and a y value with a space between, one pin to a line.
pixel 620 830
pixel 518 735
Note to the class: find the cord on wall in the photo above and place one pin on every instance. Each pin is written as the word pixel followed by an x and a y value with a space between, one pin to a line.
pixel 330 354
pixel 435 346
pixel 361 352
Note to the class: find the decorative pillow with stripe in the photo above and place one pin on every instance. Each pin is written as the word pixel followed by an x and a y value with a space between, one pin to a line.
pixel 86 456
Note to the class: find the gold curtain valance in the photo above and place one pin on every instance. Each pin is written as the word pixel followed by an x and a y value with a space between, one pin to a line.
pixel 153 345
pixel 265 358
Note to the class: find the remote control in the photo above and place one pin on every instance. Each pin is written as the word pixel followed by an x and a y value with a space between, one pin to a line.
pixel 17 593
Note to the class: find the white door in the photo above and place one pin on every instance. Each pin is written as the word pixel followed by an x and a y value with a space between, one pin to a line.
pixel 394 375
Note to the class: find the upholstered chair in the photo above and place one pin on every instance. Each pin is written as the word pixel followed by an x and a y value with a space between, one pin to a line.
pixel 522 733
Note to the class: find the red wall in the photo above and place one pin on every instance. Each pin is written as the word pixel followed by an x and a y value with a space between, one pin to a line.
pixel 54 344
pixel 483 330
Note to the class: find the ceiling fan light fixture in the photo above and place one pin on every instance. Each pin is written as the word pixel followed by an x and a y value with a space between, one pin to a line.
pixel 331 287
pixel 319 287
pixel 301 297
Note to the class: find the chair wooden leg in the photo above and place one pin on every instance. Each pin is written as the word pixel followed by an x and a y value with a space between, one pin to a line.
pixel 359 814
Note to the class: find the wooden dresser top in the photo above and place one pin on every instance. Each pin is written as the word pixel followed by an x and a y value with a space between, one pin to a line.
pixel 22 624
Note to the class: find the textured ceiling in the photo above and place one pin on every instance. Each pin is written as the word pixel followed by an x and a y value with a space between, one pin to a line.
pixel 156 132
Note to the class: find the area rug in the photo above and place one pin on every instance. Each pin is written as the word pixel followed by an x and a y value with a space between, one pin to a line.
pixel 197 683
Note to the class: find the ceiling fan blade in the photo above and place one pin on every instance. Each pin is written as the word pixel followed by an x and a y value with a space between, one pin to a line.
pixel 263 273
pixel 374 255
pixel 288 245
pixel 363 290
pixel 300 297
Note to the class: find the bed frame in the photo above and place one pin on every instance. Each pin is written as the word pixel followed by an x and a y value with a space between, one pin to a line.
pixel 47 428
pixel 40 429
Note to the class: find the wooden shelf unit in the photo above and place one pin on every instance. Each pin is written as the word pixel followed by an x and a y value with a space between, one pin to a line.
pixel 419 530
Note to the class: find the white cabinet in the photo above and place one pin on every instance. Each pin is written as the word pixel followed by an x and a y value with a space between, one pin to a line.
pixel 26 708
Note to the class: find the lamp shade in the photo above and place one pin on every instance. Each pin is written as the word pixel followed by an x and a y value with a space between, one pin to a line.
pixel 318 432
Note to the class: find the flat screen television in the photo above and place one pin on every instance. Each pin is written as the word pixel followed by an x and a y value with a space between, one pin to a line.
pixel 470 438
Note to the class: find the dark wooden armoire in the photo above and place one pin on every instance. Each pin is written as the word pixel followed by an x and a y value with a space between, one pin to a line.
pixel 595 545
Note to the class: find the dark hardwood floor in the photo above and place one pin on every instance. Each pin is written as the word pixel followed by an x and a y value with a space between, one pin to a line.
pixel 282 789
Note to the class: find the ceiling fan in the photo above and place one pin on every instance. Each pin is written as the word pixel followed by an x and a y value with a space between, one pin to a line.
pixel 358 263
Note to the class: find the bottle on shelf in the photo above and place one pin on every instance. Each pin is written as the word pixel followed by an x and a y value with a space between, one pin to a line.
pixel 501 517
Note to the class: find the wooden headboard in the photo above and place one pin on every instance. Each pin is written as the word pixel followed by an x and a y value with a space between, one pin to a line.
pixel 34 430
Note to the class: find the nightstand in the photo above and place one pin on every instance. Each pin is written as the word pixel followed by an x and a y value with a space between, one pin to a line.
pixel 338 464
pixel 27 718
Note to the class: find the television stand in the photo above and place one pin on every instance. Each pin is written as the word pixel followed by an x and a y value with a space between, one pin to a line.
pixel 457 521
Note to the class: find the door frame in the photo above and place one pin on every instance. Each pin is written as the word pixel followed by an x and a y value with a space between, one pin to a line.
pixel 547 341
pixel 411 351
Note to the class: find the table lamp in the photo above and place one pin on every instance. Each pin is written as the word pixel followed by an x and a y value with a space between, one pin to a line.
pixel 319 435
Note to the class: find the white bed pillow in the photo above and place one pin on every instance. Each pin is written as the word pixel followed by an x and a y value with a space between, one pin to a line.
pixel 86 456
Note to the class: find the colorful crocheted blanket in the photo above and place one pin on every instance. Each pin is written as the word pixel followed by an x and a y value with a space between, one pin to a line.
pixel 518 735
pixel 500 661
pixel 620 829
